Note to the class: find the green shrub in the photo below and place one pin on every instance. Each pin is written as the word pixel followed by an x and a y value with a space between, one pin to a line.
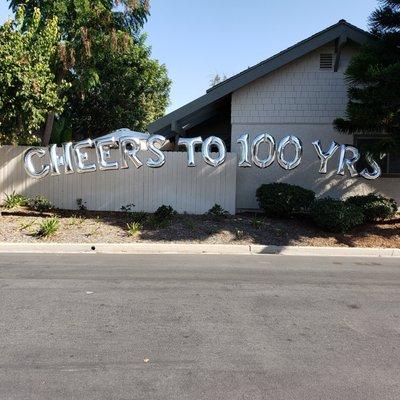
pixel 40 203
pixel 48 227
pixel 374 207
pixel 138 216
pixel 217 212
pixel 162 217
pixel 336 215
pixel 284 200
pixel 134 228
pixel 164 212
pixel 14 200
pixel 189 224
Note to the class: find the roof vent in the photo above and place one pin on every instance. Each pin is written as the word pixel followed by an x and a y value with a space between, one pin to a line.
pixel 326 61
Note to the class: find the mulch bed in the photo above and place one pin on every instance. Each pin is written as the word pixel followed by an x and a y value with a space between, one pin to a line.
pixel 107 227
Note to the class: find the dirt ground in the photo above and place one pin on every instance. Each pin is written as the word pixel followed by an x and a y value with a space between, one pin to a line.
pixel 104 227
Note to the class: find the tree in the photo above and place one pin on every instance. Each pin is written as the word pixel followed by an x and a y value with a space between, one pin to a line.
pixel 374 78
pixel 28 91
pixel 130 90
pixel 123 15
pixel 96 36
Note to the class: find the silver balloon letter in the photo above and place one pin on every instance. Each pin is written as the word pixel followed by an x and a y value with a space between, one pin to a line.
pixel 160 161
pixel 56 161
pixel 348 162
pixel 269 140
pixel 324 156
pixel 68 164
pixel 103 153
pixel 30 168
pixel 206 151
pixel 130 153
pixel 286 141
pixel 243 141
pixel 190 144
pixel 81 157
pixel 376 169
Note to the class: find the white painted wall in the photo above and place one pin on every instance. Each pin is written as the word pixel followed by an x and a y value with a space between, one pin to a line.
pixel 302 100
pixel 191 190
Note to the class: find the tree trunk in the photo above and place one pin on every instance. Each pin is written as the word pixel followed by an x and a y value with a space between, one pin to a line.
pixel 48 129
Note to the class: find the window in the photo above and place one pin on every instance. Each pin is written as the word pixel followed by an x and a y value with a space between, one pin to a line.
pixel 326 61
pixel 390 163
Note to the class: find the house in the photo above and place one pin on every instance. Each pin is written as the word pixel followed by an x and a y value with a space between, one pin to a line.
pixel 299 91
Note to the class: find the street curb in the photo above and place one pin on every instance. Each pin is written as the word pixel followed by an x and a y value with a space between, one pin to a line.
pixel 179 248
pixel 122 248
pixel 325 251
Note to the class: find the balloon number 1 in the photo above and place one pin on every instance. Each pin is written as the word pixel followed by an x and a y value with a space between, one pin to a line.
pixel 74 157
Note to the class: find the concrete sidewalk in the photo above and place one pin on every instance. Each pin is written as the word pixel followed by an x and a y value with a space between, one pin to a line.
pixel 179 248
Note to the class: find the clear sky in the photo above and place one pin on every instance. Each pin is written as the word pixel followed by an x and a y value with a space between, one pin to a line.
pixel 198 39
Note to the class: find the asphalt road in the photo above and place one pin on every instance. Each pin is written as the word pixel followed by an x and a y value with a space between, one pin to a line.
pixel 198 327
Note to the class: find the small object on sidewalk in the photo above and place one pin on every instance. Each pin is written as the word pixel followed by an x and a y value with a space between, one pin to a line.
pixel 89 292
pixel 146 360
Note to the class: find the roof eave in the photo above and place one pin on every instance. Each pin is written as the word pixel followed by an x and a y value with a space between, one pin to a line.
pixel 264 68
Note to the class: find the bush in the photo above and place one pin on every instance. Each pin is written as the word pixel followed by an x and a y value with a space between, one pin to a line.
pixel 48 227
pixel 139 217
pixel 336 215
pixel 164 212
pixel 162 217
pixel 283 200
pixel 374 207
pixel 14 200
pixel 40 203
pixel 189 224
pixel 217 212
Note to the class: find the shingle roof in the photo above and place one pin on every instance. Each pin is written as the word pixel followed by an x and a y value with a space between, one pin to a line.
pixel 342 30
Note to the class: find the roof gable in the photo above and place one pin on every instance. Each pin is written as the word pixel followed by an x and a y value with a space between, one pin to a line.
pixel 342 31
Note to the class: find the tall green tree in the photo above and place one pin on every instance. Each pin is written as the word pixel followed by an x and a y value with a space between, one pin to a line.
pixel 374 77
pixel 28 91
pixel 129 90
pixel 124 15
pixel 103 55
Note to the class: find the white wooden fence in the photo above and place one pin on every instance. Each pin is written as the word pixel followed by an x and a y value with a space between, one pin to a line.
pixel 191 190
